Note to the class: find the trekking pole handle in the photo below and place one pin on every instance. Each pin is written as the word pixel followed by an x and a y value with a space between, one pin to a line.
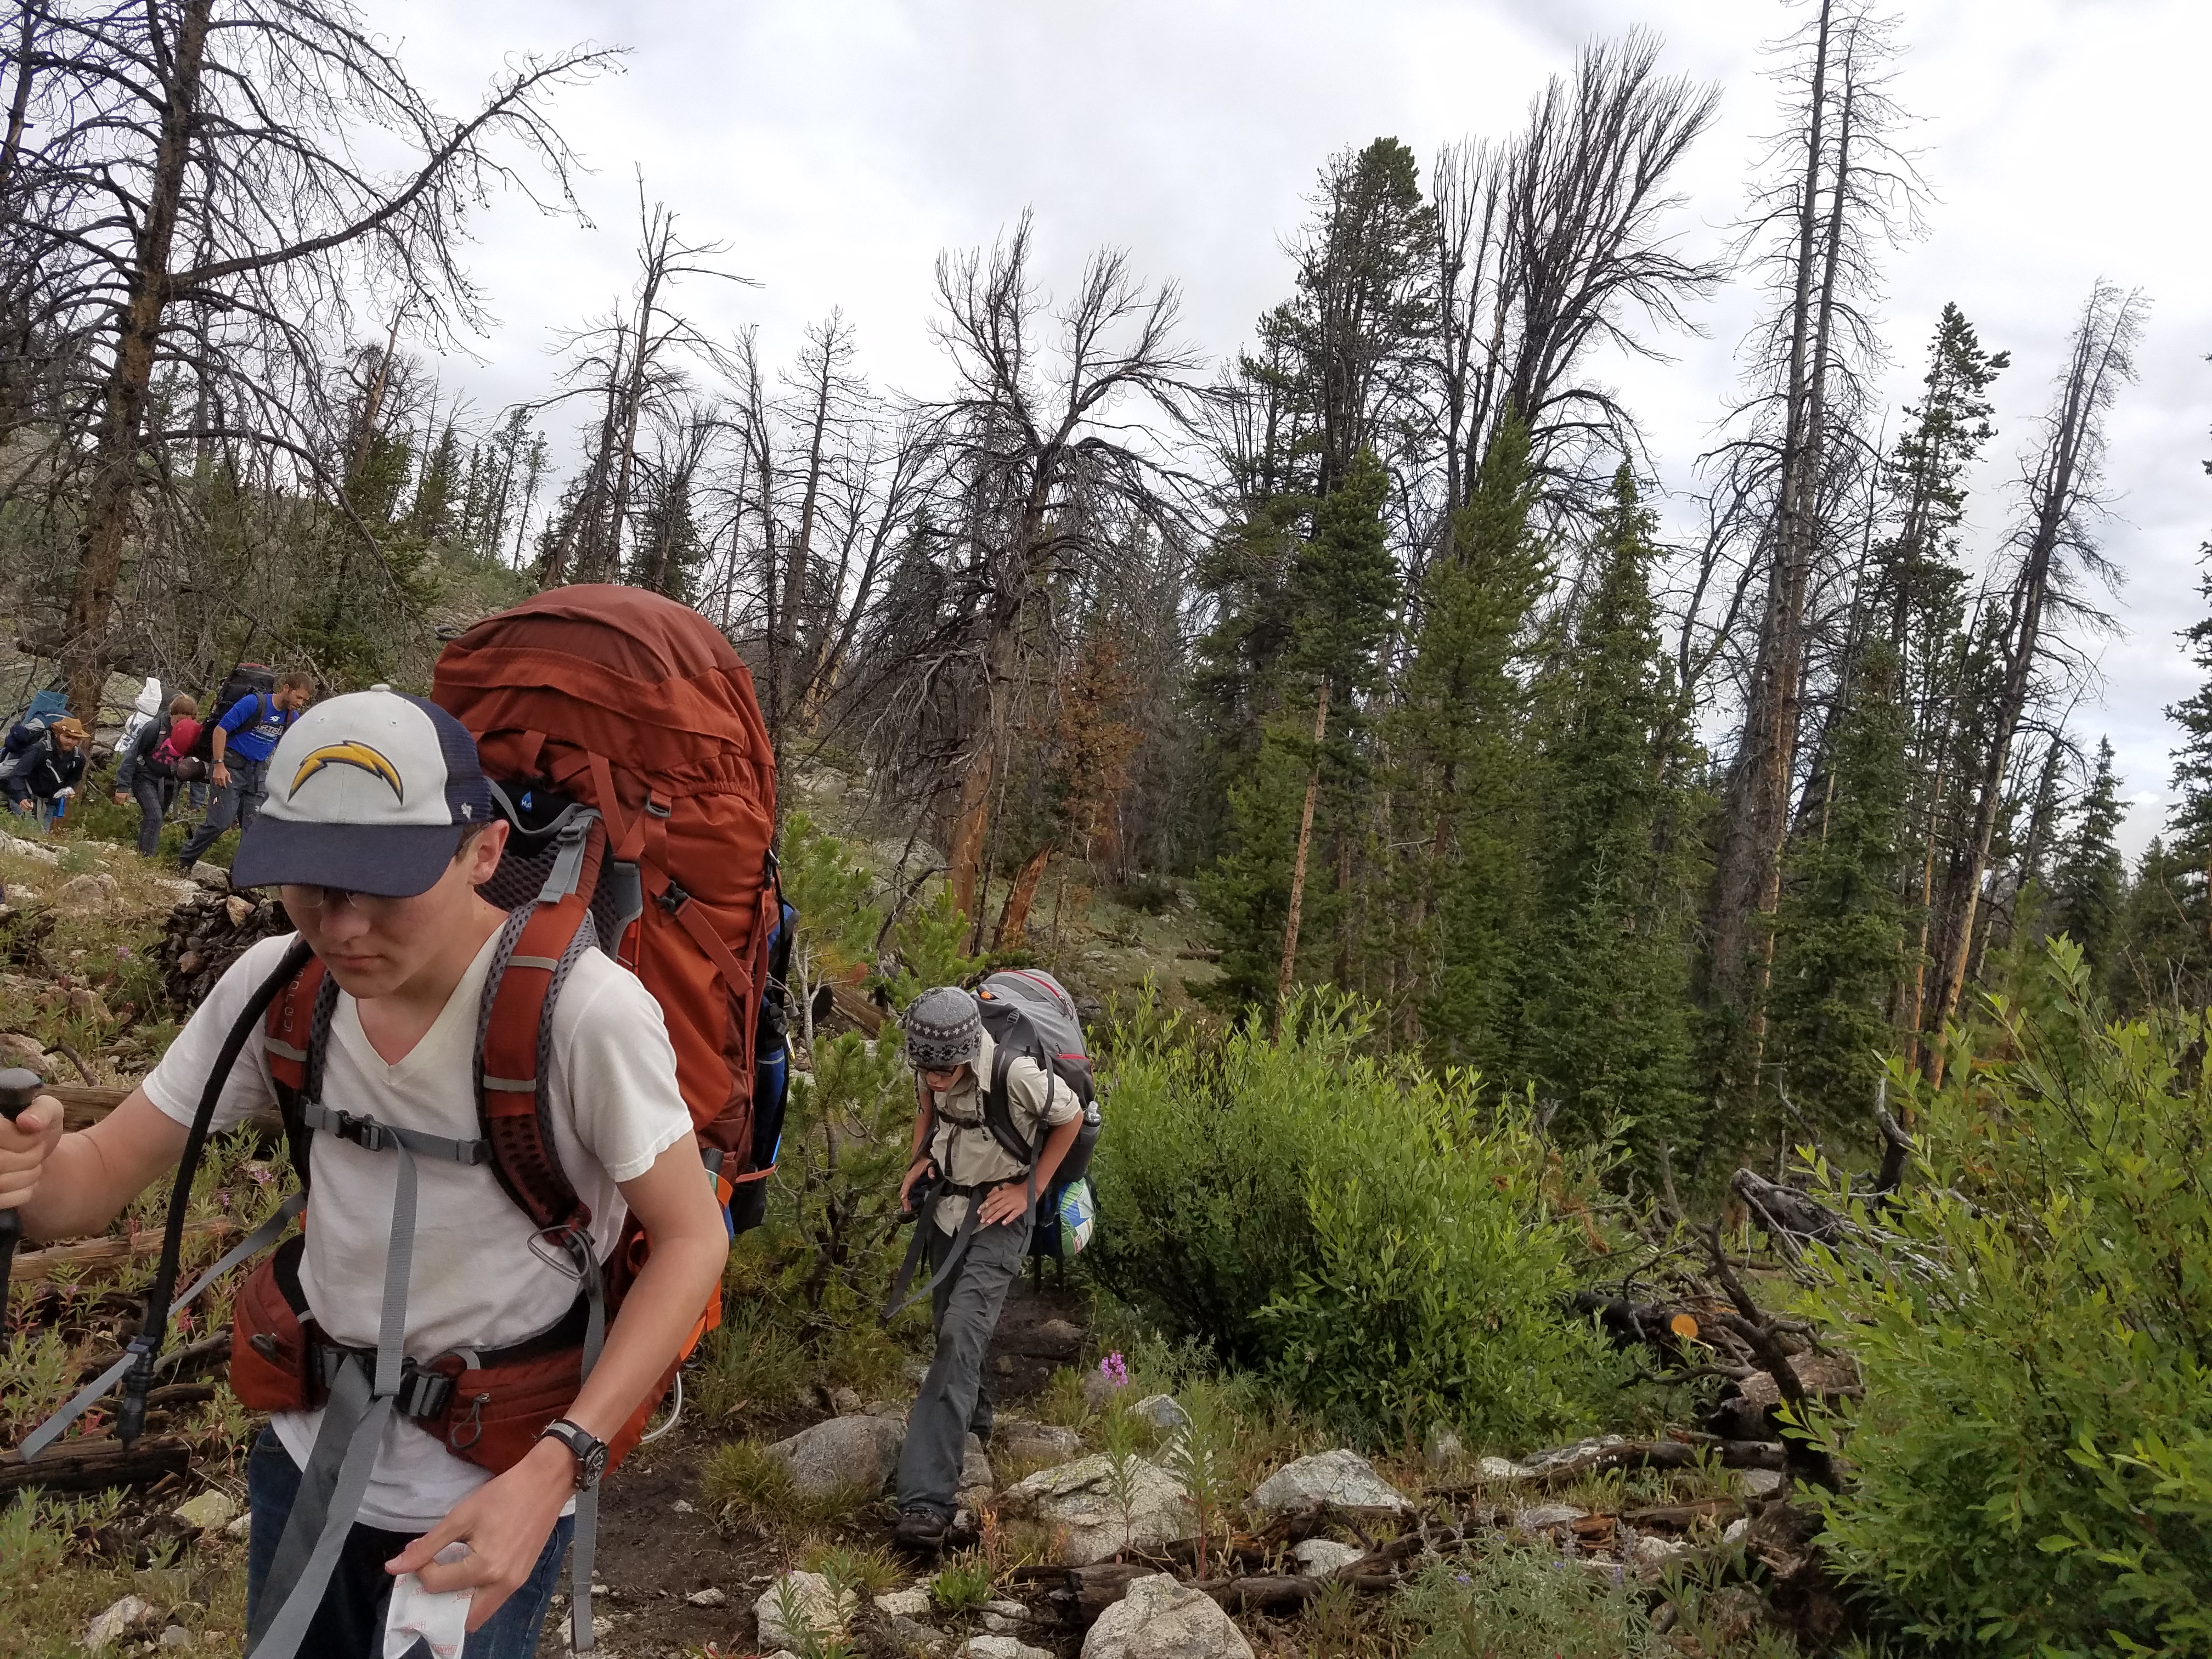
pixel 19 1087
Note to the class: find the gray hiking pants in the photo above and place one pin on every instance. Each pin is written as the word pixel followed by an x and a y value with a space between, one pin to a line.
pixel 952 1402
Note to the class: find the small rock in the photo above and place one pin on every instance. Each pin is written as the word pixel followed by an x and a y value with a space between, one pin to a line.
pixel 1761 1483
pixel 914 1637
pixel 1000 1647
pixel 1441 1449
pixel 88 891
pixel 1007 1609
pixel 1003 1365
pixel 1081 1497
pixel 890 1411
pixel 175 889
pixel 710 1597
pixel 241 1529
pixel 1159 1619
pixel 173 1636
pixel 238 908
pixel 1343 1479
pixel 1161 1411
pixel 976 1467
pixel 846 1453
pixel 1543 1517
pixel 85 1002
pixel 1650 1555
pixel 1504 1468
pixel 23 1050
pixel 846 1402
pixel 1738 1530
pixel 118 1621
pixel 1036 1442
pixel 207 1511
pixel 1097 1392
pixel 807 1597
pixel 1059 1337
pixel 213 877
pixel 1319 1557
pixel 681 1506
pixel 906 1603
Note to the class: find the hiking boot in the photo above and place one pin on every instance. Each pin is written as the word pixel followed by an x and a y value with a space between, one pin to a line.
pixel 921 1530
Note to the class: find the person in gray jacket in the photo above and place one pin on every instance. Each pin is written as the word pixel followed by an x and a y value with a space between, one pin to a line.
pixel 956 1163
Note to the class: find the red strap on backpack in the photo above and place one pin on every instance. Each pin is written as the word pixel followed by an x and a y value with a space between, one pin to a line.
pixel 514 1112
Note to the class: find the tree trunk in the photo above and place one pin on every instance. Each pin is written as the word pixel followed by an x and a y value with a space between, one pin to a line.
pixel 117 452
pixel 1014 919
pixel 1298 864
pixel 1748 870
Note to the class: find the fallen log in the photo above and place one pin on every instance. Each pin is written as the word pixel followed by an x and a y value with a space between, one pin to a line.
pixel 83 1106
pixel 1632 1454
pixel 95 1465
pixel 89 1255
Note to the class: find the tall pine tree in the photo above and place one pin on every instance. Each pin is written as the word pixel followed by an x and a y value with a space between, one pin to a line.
pixel 2089 883
pixel 1839 940
pixel 1604 1017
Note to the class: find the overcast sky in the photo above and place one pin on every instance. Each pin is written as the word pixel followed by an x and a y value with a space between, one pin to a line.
pixel 836 147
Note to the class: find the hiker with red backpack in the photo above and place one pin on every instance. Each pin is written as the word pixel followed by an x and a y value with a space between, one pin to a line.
pixel 435 1347
pixel 156 759
pixel 1001 1112
pixel 236 746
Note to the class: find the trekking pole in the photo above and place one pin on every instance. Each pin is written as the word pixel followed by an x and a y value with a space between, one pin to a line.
pixel 19 1087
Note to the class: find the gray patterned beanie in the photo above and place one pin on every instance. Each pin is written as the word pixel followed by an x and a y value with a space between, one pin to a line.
pixel 943 1028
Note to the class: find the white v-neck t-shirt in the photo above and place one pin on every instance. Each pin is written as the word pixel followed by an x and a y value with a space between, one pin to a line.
pixel 475 1282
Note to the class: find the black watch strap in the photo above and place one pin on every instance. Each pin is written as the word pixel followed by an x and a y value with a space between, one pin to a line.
pixel 586 1448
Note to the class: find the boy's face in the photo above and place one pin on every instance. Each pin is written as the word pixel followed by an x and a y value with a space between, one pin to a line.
pixel 374 947
pixel 946 1080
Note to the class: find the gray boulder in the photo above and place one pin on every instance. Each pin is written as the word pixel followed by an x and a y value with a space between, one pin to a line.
pixel 1000 1647
pixel 1084 1500
pixel 1159 1619
pixel 1342 1480
pixel 846 1453
pixel 1038 1441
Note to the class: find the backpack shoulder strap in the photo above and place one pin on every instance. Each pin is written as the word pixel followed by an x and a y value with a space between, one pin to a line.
pixel 295 1033
pixel 1020 1041
pixel 537 949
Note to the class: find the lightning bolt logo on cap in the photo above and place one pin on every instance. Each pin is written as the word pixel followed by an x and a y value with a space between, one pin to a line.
pixel 352 753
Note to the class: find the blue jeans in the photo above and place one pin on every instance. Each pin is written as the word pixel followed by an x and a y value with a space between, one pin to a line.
pixel 350 1625
pixel 152 794
pixel 237 802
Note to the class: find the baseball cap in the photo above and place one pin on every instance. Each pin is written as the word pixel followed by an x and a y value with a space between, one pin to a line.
pixel 371 791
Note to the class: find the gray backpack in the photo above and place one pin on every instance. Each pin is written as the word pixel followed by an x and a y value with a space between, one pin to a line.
pixel 1029 1013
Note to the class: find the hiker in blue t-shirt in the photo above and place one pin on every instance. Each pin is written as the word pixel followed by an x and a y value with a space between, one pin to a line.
pixel 244 739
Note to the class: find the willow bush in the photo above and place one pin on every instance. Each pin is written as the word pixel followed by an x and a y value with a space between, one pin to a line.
pixel 1392 1246
pixel 2031 1472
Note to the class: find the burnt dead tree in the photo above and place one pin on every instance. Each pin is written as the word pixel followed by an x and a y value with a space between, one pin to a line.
pixel 188 174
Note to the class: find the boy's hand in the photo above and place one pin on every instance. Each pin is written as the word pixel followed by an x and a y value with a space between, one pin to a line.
pixel 1006 1203
pixel 25 1146
pixel 122 798
pixel 920 1168
pixel 504 1523
pixel 219 775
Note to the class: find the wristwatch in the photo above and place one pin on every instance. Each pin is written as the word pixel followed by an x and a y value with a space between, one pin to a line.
pixel 586 1448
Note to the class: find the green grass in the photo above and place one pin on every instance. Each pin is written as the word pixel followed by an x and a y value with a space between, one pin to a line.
pixel 746 1487
pixel 964 1586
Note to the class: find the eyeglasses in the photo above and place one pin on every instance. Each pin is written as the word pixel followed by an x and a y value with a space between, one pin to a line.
pixel 330 898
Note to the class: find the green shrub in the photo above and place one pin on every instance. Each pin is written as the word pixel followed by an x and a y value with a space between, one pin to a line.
pixel 2034 1461
pixel 1389 1248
